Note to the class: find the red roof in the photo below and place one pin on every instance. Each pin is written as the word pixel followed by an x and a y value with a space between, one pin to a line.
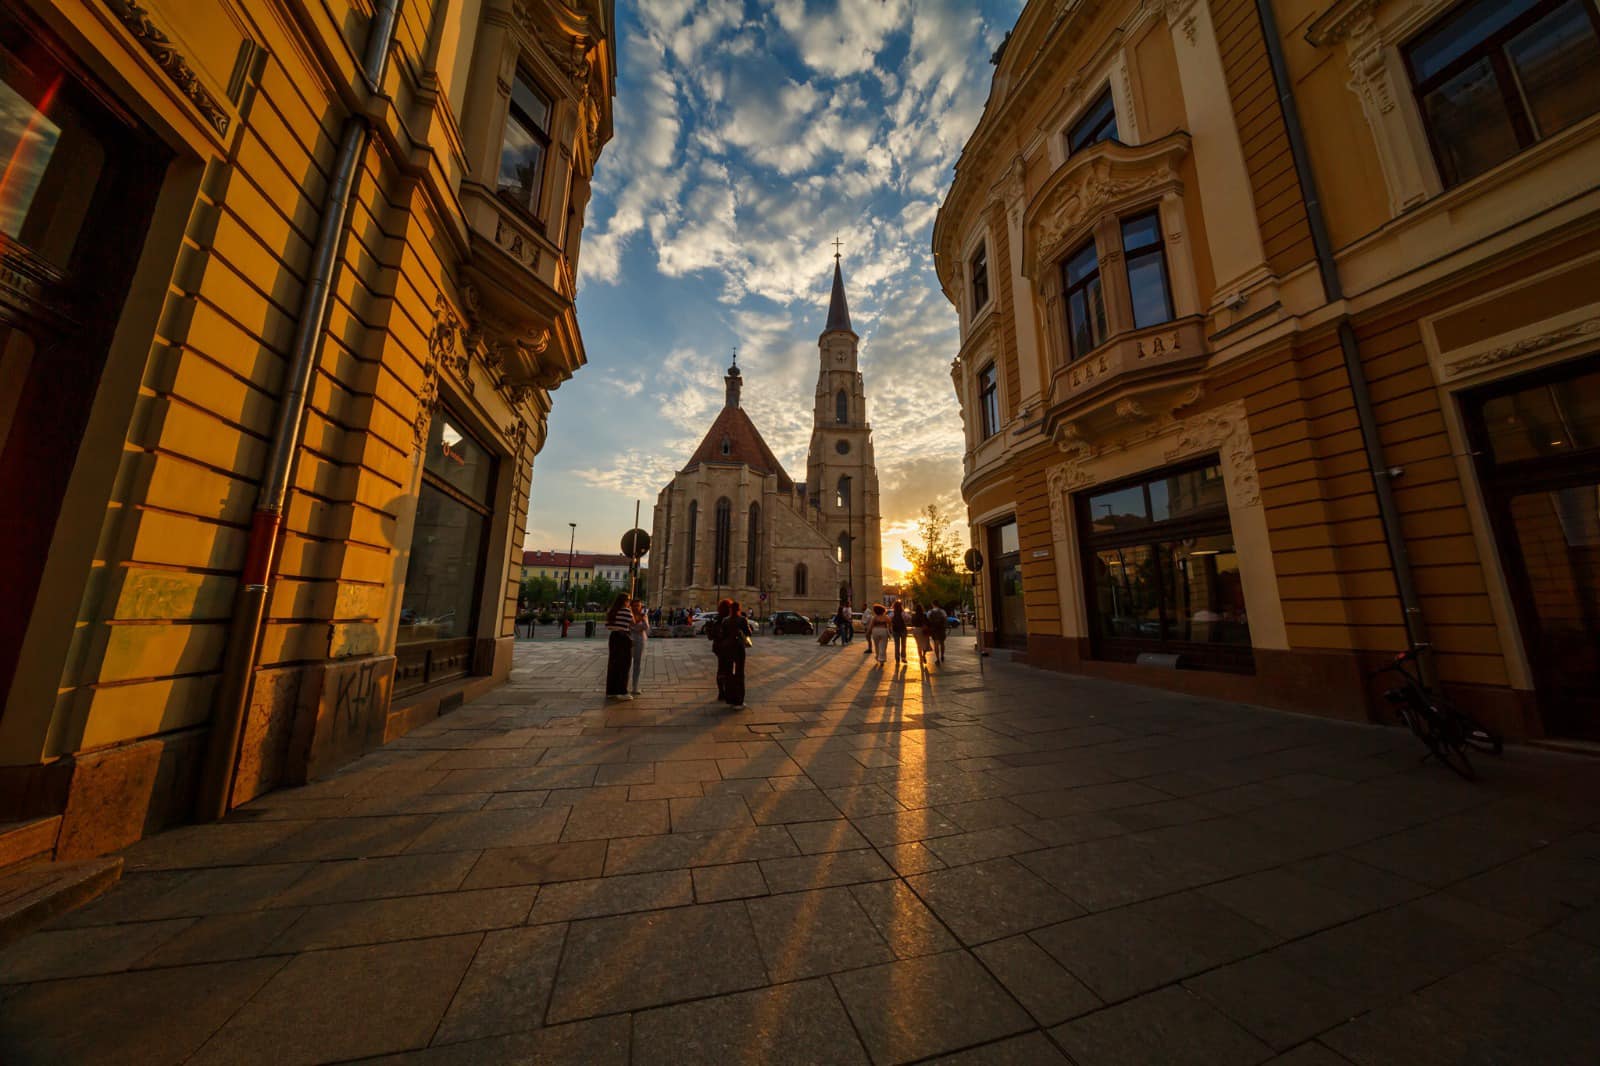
pixel 744 447
pixel 558 557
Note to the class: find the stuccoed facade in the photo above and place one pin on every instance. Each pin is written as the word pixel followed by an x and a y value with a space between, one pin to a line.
pixel 392 592
pixel 1169 345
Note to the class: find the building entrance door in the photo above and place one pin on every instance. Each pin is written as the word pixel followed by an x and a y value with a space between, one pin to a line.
pixel 1538 443
pixel 77 184
pixel 1009 626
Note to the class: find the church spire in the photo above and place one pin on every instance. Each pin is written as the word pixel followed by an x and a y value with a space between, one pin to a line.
pixel 838 310
pixel 733 381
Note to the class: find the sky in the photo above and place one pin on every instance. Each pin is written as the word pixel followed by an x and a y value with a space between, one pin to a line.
pixel 748 136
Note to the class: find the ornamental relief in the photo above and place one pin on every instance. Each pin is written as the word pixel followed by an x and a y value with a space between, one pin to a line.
pixel 1082 201
pixel 1222 429
pixel 1524 347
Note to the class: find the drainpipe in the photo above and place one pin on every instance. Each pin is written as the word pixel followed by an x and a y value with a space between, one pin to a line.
pixel 1383 474
pixel 255 581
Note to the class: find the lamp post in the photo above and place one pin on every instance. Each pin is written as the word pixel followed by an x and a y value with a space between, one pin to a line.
pixel 570 545
pixel 847 488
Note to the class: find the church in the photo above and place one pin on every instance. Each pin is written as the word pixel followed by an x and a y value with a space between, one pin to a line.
pixel 733 523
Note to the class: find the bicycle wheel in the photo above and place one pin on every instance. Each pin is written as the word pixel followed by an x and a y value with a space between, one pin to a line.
pixel 1475 735
pixel 1448 742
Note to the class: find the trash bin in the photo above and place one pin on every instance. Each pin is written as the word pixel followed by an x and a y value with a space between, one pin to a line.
pixel 588 628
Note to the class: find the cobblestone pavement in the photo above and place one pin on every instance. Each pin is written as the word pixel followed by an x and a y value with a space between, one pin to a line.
pixel 864 866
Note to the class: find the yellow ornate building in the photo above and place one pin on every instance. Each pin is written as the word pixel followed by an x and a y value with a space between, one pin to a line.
pixel 287 288
pixel 1279 334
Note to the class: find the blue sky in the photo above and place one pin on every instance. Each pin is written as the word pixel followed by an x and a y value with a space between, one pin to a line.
pixel 748 136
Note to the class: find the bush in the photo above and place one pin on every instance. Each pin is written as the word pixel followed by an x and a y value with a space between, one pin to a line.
pixel 545 618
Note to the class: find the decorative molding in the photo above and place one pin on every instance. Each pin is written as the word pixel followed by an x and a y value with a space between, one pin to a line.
pixel 1225 431
pixel 1180 13
pixel 514 243
pixel 166 55
pixel 1527 346
pixel 442 340
pixel 1096 181
pixel 1342 20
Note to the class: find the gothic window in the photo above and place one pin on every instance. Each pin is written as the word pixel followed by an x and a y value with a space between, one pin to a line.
pixel 694 525
pixel 978 273
pixel 842 551
pixel 526 143
pixel 800 576
pixel 724 539
pixel 842 499
pixel 1099 123
pixel 1145 254
pixel 1493 78
pixel 752 551
pixel 841 407
pixel 727 445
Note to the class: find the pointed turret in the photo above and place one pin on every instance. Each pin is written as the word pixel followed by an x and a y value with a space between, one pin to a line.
pixel 838 310
pixel 733 381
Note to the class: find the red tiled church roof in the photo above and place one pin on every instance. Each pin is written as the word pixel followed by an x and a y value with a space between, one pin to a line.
pixel 745 447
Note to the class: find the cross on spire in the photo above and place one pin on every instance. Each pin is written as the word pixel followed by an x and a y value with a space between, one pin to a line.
pixel 736 355
pixel 836 245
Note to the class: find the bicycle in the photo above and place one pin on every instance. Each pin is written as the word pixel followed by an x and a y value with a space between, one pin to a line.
pixel 1446 731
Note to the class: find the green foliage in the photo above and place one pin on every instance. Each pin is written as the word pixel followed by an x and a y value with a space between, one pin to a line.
pixel 933 563
pixel 540 591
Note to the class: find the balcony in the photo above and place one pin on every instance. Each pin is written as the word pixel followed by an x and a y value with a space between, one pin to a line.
pixel 1139 377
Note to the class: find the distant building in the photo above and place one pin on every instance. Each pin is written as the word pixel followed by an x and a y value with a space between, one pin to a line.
pixel 586 566
pixel 733 523
pixel 1280 348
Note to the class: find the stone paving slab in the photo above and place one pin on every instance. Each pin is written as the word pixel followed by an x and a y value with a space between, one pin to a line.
pixel 941 866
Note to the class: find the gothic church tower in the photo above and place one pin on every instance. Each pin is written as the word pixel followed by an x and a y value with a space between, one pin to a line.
pixel 841 475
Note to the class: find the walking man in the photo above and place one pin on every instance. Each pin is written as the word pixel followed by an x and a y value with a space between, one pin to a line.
pixel 938 626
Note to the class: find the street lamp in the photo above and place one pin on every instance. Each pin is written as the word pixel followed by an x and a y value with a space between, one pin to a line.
pixel 570 545
pixel 847 487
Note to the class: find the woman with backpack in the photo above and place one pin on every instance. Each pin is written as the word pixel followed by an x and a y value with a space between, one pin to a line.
pixel 897 629
pixel 619 648
pixel 919 631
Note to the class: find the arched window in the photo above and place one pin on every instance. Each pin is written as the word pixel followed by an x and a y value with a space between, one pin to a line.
pixel 843 551
pixel 842 495
pixel 841 407
pixel 800 576
pixel 694 527
pixel 752 547
pixel 719 561
pixel 727 445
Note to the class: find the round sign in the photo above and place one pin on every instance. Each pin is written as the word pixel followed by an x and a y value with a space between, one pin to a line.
pixel 635 543
pixel 763 597
pixel 974 560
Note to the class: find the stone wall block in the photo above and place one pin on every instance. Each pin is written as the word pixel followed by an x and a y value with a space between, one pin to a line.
pixel 108 799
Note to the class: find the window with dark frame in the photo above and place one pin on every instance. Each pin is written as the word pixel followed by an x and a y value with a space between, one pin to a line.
pixel 1085 301
pixel 525 145
pixel 800 579
pixel 1097 124
pixel 989 401
pixel 1161 571
pixel 1145 253
pixel 752 550
pixel 978 272
pixel 841 407
pixel 1494 77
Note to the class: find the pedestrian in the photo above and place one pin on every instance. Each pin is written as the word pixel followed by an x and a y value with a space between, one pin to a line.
pixel 733 638
pixel 919 630
pixel 841 623
pixel 713 632
pixel 640 633
pixel 897 629
pixel 566 620
pixel 619 620
pixel 938 627
pixel 878 632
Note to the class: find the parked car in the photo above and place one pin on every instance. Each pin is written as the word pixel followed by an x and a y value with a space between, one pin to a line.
pixel 790 622
pixel 700 621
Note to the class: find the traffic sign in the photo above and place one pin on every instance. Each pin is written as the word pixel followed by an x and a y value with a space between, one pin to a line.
pixel 974 560
pixel 635 543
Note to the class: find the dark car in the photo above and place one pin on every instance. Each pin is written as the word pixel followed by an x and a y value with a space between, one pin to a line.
pixel 790 622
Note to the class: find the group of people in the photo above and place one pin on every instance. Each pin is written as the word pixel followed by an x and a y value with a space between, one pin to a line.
pixel 628 624
pixel 928 626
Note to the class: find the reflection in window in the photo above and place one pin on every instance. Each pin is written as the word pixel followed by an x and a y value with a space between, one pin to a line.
pixel 1163 570
pixel 978 272
pixel 447 541
pixel 988 401
pixel 526 144
pixel 1494 77
pixel 1086 304
pixel 1099 123
pixel 1542 421
pixel 1146 257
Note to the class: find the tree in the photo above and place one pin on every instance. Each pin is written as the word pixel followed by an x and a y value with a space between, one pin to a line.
pixel 933 563
pixel 540 591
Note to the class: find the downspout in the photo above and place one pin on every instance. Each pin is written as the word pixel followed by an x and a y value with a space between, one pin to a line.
pixel 255 581
pixel 1383 474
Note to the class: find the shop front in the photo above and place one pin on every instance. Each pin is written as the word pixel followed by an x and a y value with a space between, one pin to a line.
pixel 1009 626
pixel 437 637
pixel 1536 441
